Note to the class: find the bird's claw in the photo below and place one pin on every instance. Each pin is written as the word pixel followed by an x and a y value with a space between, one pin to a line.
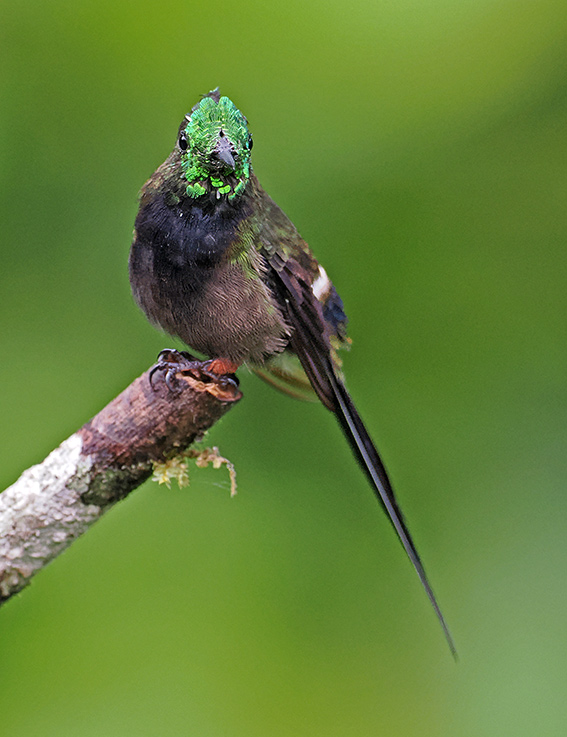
pixel 207 368
pixel 173 362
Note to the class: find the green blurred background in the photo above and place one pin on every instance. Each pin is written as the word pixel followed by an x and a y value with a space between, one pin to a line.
pixel 420 147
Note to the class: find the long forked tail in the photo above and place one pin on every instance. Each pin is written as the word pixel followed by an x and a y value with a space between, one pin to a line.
pixel 371 463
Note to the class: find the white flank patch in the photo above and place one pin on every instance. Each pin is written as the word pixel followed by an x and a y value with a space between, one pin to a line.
pixel 321 285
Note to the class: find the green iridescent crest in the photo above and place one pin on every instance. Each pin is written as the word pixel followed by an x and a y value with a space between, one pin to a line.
pixel 215 148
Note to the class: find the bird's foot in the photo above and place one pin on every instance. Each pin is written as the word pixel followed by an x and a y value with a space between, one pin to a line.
pixel 171 362
pixel 219 373
pixel 220 367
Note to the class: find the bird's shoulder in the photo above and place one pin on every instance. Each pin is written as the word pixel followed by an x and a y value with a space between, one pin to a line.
pixel 300 283
pixel 277 238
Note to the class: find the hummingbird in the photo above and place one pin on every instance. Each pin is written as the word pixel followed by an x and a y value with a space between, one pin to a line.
pixel 215 262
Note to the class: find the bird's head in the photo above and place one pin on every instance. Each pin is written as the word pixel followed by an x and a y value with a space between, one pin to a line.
pixel 214 145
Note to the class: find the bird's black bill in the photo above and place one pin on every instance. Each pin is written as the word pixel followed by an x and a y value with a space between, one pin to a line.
pixel 223 154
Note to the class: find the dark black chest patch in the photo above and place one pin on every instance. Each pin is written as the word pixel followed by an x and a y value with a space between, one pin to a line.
pixel 189 236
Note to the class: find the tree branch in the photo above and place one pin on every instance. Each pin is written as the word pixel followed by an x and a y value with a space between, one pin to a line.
pixel 55 502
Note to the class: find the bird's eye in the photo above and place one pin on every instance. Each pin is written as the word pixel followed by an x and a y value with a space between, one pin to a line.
pixel 182 142
pixel 250 143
